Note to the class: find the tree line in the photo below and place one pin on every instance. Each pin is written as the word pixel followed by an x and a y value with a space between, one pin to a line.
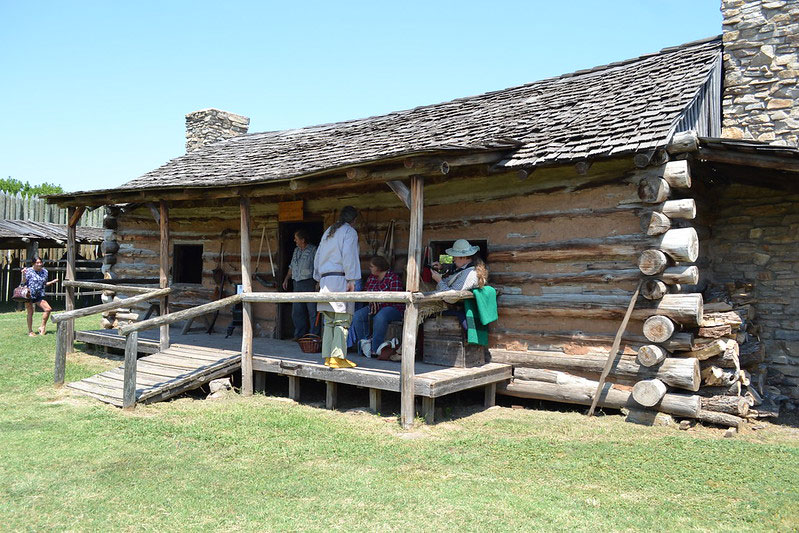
pixel 14 186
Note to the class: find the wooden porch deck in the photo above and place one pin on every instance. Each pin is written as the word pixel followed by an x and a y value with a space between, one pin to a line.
pixel 194 359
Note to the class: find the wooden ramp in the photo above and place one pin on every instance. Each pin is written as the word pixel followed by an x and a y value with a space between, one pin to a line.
pixel 160 376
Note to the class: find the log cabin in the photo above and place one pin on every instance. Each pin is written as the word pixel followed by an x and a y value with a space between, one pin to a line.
pixel 594 197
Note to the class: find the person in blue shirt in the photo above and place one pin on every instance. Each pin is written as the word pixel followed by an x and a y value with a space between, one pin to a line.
pixel 35 278
pixel 303 314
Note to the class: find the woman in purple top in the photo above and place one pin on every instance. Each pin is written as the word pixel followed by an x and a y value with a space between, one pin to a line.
pixel 35 278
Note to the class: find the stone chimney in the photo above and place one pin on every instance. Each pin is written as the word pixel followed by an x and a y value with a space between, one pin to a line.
pixel 761 70
pixel 211 125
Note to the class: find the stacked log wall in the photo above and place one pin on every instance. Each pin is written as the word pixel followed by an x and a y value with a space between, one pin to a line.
pixel 565 250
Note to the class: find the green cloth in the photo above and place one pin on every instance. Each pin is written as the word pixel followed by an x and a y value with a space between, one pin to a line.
pixel 480 312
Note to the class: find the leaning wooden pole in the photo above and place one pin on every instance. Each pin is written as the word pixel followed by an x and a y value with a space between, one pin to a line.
pixel 73 218
pixel 246 283
pixel 614 349
pixel 163 342
pixel 409 328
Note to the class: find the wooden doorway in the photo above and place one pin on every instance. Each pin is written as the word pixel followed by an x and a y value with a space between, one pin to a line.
pixel 286 230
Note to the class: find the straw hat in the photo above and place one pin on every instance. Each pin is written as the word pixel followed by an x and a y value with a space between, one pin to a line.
pixel 462 248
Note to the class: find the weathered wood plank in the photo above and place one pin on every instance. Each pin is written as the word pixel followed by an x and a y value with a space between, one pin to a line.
pixel 61 348
pixel 69 305
pixel 246 281
pixel 110 306
pixel 410 326
pixel 375 400
pixel 331 394
pixel 163 271
pixel 129 384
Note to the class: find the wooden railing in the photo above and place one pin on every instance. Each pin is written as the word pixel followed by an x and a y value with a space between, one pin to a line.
pixel 65 321
pixel 131 331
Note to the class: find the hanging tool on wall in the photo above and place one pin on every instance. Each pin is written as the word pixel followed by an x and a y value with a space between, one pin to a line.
pixel 386 250
pixel 263 279
pixel 220 277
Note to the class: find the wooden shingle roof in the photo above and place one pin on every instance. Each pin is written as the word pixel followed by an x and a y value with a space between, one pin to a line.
pixel 610 110
pixel 13 231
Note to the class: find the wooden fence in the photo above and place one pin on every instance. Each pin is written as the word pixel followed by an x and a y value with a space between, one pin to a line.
pixel 18 207
pixel 11 275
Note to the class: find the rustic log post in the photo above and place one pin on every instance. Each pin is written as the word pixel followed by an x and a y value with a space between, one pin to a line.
pixel 680 244
pixel 654 289
pixel 707 351
pixel 129 377
pixel 246 282
pixel 649 392
pixel 61 333
pixel 163 273
pixel 429 409
pixel 331 394
pixel 729 390
pixel 733 405
pixel 674 371
pixel 69 305
pixel 684 274
pixel 571 389
pixel 294 388
pixel 685 309
pixel 652 262
pixel 655 223
pixel 409 328
pixel 402 192
pixel 684 141
pixel 721 419
pixel 375 400
pixel 653 190
pixel 658 328
pixel 678 174
pixel 651 355
pixel 490 395
pixel 684 208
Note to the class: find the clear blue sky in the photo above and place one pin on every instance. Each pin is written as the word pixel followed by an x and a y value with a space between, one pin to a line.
pixel 94 93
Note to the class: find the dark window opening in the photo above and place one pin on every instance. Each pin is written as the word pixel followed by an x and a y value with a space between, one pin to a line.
pixel 188 263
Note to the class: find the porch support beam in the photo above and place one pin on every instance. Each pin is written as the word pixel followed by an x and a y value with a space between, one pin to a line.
pixel 409 328
pixel 73 216
pixel 402 191
pixel 163 272
pixel 246 283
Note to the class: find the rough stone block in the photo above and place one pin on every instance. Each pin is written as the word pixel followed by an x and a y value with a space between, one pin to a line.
pixel 760 259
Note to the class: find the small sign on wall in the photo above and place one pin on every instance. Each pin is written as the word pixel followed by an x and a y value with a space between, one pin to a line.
pixel 290 211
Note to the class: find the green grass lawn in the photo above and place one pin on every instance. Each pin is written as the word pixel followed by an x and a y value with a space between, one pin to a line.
pixel 263 463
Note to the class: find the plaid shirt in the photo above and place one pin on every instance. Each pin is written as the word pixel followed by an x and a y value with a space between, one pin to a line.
pixel 391 282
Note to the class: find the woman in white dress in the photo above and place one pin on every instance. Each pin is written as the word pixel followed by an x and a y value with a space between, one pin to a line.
pixel 337 266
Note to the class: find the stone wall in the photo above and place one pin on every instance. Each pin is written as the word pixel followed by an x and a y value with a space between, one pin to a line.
pixel 761 67
pixel 211 125
pixel 754 239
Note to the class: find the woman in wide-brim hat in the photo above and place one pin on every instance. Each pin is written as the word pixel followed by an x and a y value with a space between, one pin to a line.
pixel 470 271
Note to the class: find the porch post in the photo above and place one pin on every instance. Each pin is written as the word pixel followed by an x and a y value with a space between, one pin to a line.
pixel 407 407
pixel 163 342
pixel 73 216
pixel 246 282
